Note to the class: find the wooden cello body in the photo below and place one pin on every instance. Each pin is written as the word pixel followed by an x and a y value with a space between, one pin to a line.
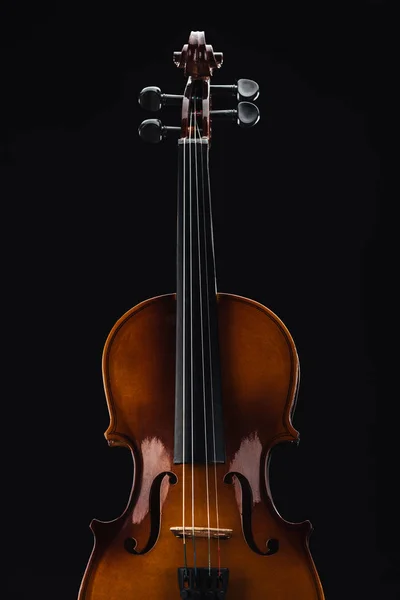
pixel 200 387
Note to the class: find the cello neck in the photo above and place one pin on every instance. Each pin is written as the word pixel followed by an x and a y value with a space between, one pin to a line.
pixel 198 399
pixel 195 245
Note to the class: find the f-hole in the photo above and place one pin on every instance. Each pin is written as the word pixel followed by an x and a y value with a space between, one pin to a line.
pixel 247 507
pixel 155 515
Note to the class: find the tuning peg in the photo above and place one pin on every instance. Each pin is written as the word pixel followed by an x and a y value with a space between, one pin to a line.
pixel 153 131
pixel 151 98
pixel 247 114
pixel 245 89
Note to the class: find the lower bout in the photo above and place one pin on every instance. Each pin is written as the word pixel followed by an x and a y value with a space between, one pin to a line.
pixel 118 575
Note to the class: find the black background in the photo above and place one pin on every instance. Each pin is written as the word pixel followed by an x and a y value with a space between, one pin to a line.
pixel 89 222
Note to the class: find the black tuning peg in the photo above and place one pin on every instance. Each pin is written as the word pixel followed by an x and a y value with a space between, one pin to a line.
pixel 151 98
pixel 245 89
pixel 246 115
pixel 153 131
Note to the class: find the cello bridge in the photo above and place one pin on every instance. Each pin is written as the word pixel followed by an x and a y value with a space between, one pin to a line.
pixel 202 532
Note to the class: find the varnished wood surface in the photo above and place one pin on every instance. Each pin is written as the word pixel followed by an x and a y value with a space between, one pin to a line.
pixel 260 372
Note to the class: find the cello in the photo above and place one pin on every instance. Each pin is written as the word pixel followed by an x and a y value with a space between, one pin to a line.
pixel 200 386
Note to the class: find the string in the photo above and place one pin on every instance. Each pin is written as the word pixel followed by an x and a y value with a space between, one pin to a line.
pixel 191 338
pixel 183 354
pixel 197 136
pixel 202 351
pixel 210 357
